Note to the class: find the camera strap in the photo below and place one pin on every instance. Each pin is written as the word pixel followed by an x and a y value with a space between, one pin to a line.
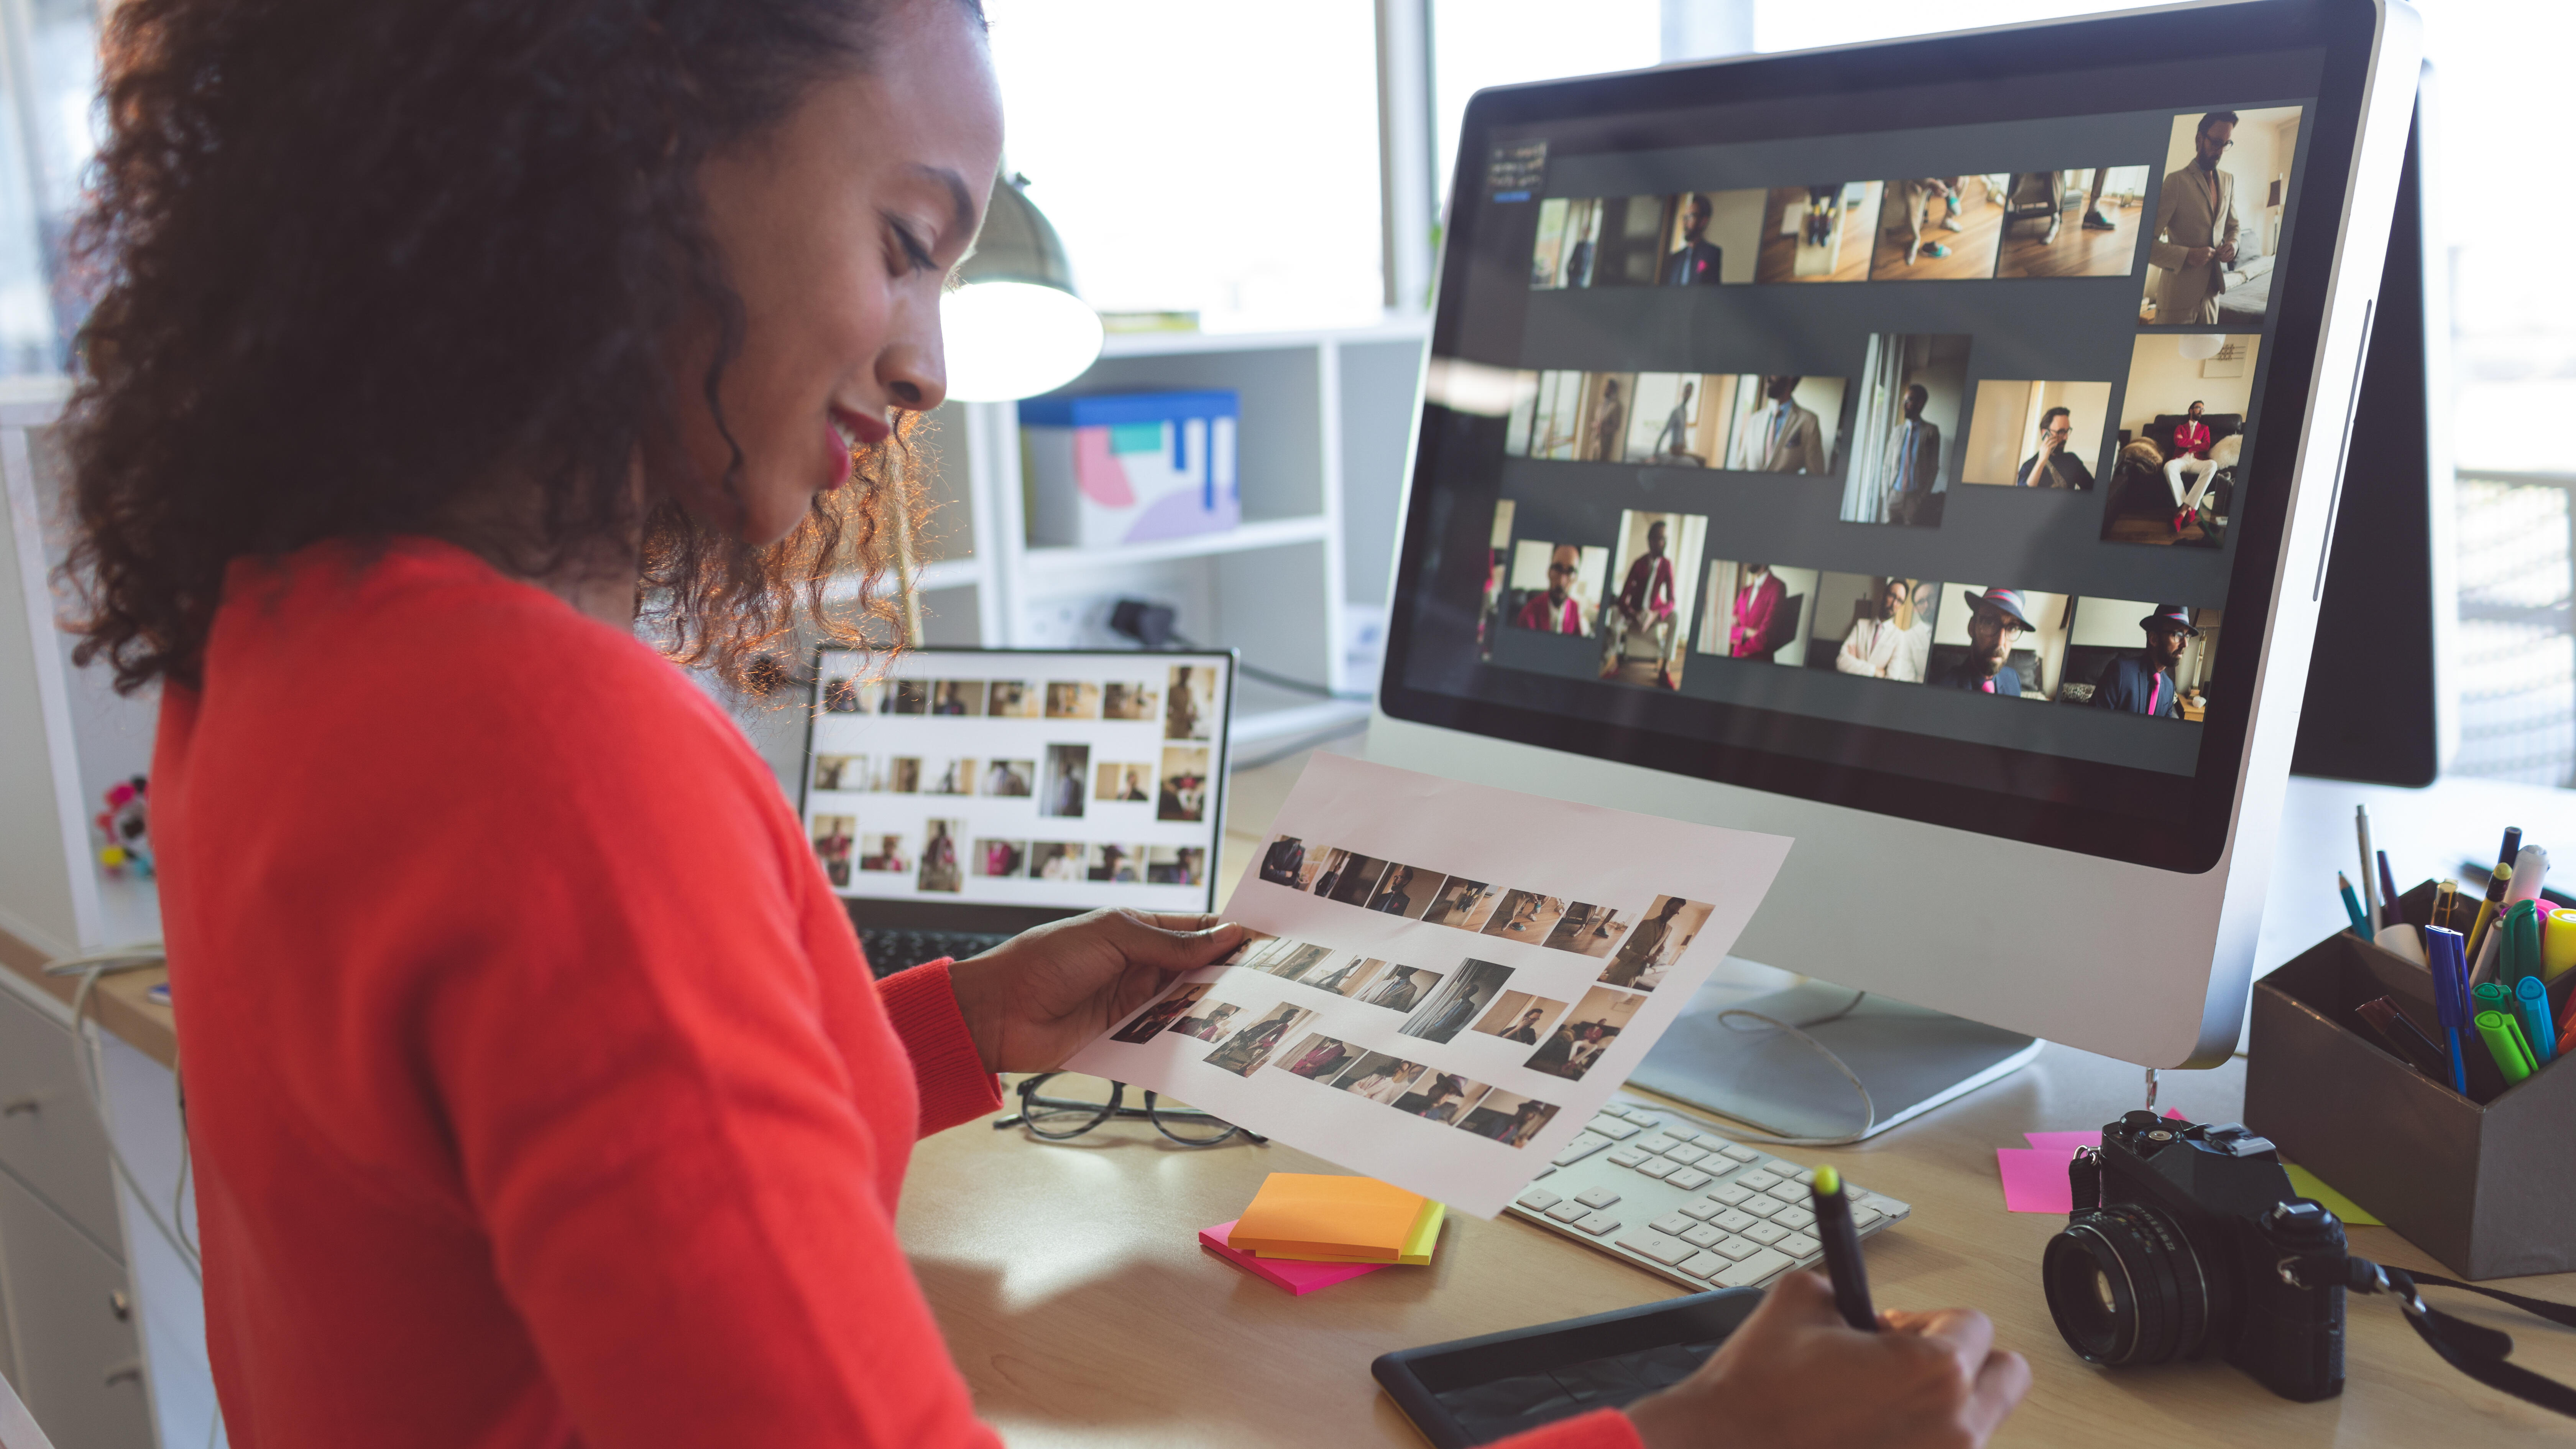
pixel 2480 1352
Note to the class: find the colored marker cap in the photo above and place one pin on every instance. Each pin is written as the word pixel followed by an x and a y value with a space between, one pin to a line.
pixel 2558 945
pixel 1828 1181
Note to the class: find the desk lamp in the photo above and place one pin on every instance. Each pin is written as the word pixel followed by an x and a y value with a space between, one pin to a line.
pixel 1015 327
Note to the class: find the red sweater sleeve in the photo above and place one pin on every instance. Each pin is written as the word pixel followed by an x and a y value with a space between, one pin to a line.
pixel 922 1007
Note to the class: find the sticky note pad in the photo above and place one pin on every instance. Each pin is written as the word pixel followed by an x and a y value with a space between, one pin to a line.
pixel 2305 1184
pixel 1417 1248
pixel 1298 1278
pixel 2035 1179
pixel 1315 1216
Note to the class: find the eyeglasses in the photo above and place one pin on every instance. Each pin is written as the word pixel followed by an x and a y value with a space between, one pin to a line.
pixel 1081 1103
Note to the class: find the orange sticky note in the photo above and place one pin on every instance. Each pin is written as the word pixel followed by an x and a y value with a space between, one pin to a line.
pixel 1310 1215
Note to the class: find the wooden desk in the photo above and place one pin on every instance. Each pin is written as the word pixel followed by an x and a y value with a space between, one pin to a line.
pixel 1074 1294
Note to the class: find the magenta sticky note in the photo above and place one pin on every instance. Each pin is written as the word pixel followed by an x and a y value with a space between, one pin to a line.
pixel 2064 1141
pixel 2035 1179
pixel 1298 1278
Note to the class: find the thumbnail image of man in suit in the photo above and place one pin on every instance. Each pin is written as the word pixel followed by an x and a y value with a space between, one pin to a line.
pixel 1783 438
pixel 1999 621
pixel 1556 611
pixel 1401 990
pixel 1757 599
pixel 1676 425
pixel 2142 683
pixel 2196 227
pixel 1913 462
pixel 1637 954
pixel 1876 648
pixel 1609 425
pixel 1695 262
pixel 1525 1031
pixel 1280 864
pixel 2052 466
pixel 1645 601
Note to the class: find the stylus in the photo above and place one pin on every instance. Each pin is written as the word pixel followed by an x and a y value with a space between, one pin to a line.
pixel 1841 1243
pixel 2391 913
pixel 2369 877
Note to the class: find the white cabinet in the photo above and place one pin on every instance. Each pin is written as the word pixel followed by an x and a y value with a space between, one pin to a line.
pixel 1300 587
pixel 79 1364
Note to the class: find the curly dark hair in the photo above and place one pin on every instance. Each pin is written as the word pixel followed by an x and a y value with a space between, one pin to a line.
pixel 363 269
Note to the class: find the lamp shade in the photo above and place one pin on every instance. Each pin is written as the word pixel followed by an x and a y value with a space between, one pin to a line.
pixel 1013 324
pixel 2200 347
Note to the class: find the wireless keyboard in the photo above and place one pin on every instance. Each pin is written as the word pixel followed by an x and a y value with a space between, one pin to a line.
pixel 890 951
pixel 1674 1196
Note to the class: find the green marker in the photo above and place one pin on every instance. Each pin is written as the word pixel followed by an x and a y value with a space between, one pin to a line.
pixel 1841 1243
pixel 2490 995
pixel 2522 943
pixel 2503 1037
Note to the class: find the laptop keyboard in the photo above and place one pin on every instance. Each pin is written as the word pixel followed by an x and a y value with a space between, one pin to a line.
pixel 890 951
pixel 1678 1199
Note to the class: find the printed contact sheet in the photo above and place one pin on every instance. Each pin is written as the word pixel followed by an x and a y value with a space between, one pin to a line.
pixel 1446 980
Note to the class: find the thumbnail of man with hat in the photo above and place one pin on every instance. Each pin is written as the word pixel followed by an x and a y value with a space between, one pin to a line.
pixel 1999 620
pixel 2141 683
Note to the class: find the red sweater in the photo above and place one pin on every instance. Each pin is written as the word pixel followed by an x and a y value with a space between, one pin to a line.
pixel 538 1092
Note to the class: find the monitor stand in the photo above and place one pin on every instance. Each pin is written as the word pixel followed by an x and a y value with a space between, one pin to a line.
pixel 1910 1058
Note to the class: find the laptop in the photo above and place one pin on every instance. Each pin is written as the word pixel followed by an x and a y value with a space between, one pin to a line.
pixel 961 796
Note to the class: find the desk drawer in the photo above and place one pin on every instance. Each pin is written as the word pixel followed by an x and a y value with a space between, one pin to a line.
pixel 74 1311
pixel 50 1136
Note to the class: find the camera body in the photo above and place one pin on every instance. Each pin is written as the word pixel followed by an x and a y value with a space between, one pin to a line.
pixel 2175 1249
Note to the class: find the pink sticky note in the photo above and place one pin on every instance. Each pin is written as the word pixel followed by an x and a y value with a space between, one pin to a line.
pixel 1298 1278
pixel 2064 1141
pixel 2035 1179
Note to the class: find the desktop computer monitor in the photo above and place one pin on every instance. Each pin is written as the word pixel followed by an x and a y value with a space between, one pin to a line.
pixel 1968 527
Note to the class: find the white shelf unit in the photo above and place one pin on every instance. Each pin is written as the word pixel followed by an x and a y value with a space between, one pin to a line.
pixel 1300 587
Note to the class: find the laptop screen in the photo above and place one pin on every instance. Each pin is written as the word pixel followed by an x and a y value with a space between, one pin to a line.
pixel 1019 778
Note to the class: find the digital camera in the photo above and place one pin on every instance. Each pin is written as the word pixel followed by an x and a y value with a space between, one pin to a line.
pixel 2175 1250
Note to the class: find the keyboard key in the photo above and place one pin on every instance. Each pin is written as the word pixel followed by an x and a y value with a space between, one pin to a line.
pixel 1654 1142
pixel 1680 1134
pixel 1766 1233
pixel 1627 1157
pixel 1799 1246
pixel 1731 1195
pixel 1598 1224
pixel 1734 1247
pixel 1566 1212
pixel 1863 1216
pixel 1760 1207
pixel 1701 1235
pixel 1797 1219
pixel 1538 1200
pixel 1702 1209
pixel 1758 1180
pixel 1659 1167
pixel 1805 1175
pixel 1667 1251
pixel 1644 1118
pixel 1740 1152
pixel 1778 1168
pixel 1583 1146
pixel 1690 1179
pixel 1791 1194
pixel 1733 1221
pixel 1673 1223
pixel 1599 1197
pixel 1686 1155
pixel 1614 1129
pixel 1544 1172
pixel 1703 1265
pixel 1759 1268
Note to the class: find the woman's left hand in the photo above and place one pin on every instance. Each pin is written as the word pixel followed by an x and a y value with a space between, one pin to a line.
pixel 1033 1000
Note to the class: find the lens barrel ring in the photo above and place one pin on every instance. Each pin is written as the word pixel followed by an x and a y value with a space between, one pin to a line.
pixel 2126 1286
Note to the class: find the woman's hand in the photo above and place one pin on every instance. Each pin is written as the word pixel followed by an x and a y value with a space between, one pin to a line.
pixel 1031 1001
pixel 1795 1376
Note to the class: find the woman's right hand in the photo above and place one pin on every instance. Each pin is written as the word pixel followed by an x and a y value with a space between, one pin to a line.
pixel 1795 1376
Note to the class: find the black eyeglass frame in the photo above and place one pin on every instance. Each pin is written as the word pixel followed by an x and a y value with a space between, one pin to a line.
pixel 1153 1111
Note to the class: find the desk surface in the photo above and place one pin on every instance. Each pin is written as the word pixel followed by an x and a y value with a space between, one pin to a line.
pixel 1074 1294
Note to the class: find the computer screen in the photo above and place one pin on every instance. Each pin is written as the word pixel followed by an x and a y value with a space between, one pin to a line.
pixel 1767 443
pixel 1034 779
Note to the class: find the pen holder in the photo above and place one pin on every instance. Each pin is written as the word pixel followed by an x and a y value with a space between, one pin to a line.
pixel 2489 1189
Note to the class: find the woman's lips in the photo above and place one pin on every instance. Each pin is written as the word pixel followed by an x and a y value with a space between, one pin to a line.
pixel 850 432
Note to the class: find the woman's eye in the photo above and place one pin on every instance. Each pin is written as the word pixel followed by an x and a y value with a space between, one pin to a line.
pixel 916 255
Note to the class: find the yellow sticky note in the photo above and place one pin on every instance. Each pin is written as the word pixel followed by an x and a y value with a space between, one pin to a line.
pixel 2305 1184
pixel 1417 1249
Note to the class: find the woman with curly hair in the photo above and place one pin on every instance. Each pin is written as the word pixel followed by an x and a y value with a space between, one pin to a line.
pixel 440 348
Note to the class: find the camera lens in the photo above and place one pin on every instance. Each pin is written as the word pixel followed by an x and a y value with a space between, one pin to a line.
pixel 2126 1288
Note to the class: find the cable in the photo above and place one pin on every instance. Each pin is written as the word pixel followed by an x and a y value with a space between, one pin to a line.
pixel 1281 681
pixel 1869 1109
pixel 91 966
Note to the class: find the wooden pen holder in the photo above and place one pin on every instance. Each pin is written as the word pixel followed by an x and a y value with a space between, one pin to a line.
pixel 2489 1189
